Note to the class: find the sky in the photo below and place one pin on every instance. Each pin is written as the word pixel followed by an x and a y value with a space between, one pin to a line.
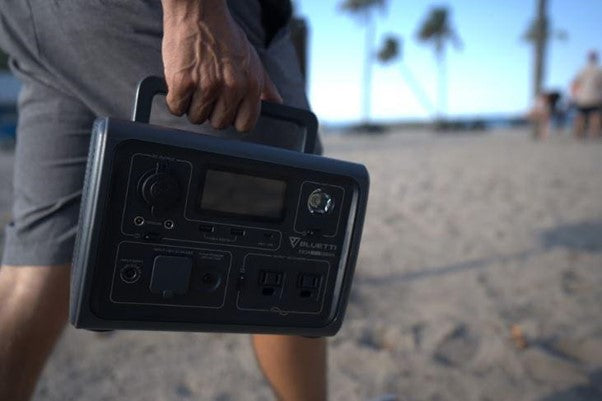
pixel 490 75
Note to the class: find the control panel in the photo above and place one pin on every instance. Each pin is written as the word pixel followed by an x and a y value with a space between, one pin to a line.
pixel 181 231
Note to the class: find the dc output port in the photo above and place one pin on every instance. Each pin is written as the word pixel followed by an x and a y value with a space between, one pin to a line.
pixel 139 221
pixel 169 224
pixel 130 274
pixel 209 281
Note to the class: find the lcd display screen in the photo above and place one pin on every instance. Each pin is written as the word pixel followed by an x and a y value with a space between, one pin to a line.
pixel 243 194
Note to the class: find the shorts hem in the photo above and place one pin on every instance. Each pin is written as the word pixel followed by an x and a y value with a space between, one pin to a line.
pixel 36 254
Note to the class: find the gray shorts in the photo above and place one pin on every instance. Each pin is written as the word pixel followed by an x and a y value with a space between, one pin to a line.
pixel 79 59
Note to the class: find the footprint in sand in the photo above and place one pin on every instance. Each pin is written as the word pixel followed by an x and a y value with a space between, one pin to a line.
pixel 458 347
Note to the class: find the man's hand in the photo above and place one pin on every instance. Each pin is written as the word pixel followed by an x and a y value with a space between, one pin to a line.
pixel 211 69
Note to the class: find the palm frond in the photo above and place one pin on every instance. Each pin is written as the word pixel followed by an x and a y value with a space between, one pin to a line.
pixel 354 6
pixel 390 49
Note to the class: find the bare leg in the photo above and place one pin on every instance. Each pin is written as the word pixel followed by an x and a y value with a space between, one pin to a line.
pixel 579 125
pixel 33 311
pixel 294 366
pixel 545 130
pixel 594 125
pixel 543 127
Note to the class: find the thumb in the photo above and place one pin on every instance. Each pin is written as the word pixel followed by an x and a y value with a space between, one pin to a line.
pixel 269 91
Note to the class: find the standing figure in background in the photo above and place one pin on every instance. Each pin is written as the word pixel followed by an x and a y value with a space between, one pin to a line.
pixel 542 112
pixel 586 91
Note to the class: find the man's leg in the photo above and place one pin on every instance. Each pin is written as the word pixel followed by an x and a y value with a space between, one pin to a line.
pixel 294 366
pixel 594 124
pixel 50 158
pixel 33 311
pixel 542 126
pixel 579 125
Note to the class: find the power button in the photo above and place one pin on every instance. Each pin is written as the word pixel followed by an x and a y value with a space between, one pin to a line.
pixel 320 202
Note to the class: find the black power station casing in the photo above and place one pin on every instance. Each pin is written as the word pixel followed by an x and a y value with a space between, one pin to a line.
pixel 188 232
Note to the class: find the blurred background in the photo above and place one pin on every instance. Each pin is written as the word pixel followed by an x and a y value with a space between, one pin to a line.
pixel 480 273
pixel 386 62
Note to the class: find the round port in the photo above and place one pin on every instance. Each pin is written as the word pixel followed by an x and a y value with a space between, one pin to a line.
pixel 209 281
pixel 159 189
pixel 320 202
pixel 130 274
pixel 139 221
pixel 169 224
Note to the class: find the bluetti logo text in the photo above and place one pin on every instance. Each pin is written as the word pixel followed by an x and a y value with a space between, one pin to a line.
pixel 296 242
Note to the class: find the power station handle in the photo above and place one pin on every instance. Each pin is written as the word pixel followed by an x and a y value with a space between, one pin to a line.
pixel 151 86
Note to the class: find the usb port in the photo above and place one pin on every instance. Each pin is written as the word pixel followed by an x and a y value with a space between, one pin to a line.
pixel 309 281
pixel 237 231
pixel 206 228
pixel 272 279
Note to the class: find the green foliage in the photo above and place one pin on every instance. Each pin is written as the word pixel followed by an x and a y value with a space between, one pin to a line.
pixel 362 8
pixel 3 61
pixel 532 33
pixel 354 6
pixel 390 49
pixel 437 29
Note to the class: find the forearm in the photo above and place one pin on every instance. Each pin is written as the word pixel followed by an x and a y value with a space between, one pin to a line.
pixel 199 26
pixel 175 11
pixel 211 69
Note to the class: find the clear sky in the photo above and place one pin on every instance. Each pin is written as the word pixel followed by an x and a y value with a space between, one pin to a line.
pixel 491 74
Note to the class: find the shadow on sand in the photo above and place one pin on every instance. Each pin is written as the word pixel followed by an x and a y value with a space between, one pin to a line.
pixel 584 236
pixel 582 392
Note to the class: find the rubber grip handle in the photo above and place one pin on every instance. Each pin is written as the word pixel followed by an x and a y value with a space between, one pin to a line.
pixel 151 86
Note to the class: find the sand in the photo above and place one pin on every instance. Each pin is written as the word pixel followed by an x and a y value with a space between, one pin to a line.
pixel 480 278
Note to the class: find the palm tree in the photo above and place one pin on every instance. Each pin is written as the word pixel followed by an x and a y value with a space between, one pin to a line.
pixel 389 51
pixel 364 10
pixel 539 33
pixel 437 30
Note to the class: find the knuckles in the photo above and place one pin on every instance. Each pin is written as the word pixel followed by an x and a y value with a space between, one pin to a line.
pixel 254 89
pixel 210 88
pixel 181 85
pixel 180 90
pixel 231 87
pixel 236 87
pixel 244 126
pixel 218 124
pixel 195 118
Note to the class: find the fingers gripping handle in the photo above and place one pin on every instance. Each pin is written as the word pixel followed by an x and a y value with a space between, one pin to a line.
pixel 151 86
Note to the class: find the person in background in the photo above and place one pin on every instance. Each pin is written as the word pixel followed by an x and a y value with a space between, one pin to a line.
pixel 586 90
pixel 543 111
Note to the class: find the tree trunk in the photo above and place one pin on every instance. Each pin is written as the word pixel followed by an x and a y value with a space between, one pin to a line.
pixel 441 84
pixel 541 38
pixel 418 91
pixel 368 61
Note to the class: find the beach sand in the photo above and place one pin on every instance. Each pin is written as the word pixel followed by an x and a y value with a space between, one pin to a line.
pixel 479 278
